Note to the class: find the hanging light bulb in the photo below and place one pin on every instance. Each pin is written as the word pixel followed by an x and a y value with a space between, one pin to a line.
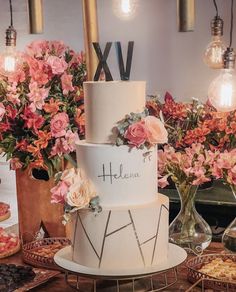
pixel 9 55
pixel 222 90
pixel 9 58
pixel 213 56
pixel 125 9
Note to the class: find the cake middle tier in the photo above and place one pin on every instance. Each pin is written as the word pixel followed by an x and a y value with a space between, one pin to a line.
pixel 121 176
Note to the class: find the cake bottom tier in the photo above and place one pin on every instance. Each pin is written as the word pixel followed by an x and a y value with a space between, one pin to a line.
pixel 122 238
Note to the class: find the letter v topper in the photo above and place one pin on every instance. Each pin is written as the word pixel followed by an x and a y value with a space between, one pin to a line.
pixel 102 58
pixel 125 73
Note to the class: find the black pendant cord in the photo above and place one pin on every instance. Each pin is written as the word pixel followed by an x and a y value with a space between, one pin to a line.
pixel 217 14
pixel 10 3
pixel 231 23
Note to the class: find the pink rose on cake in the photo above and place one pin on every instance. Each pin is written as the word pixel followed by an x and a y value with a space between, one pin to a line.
pixel 58 125
pixel 59 192
pixel 140 130
pixel 136 134
pixel 156 130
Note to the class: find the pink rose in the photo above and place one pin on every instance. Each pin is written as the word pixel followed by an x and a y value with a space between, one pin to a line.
pixel 58 65
pixel 59 192
pixel 66 83
pixel 156 130
pixel 58 124
pixel 136 134
pixel 2 110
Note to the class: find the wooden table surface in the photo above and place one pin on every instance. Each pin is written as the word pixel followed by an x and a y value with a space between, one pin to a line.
pixel 57 284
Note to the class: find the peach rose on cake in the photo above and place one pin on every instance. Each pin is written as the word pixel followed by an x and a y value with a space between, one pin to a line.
pixel 80 192
pixel 156 132
pixel 136 134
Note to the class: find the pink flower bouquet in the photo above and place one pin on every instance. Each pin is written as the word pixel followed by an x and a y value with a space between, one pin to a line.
pixel 41 106
pixel 140 130
pixel 192 166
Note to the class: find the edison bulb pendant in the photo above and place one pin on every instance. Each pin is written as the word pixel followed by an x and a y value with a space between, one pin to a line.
pixel 222 91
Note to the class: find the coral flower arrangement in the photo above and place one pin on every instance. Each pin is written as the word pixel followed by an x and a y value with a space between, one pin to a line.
pixel 41 106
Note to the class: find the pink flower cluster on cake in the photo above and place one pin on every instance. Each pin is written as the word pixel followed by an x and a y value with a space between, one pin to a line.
pixel 41 106
pixel 193 165
pixel 73 189
pixel 140 130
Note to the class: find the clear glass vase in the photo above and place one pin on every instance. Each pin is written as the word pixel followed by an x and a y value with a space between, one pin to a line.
pixel 189 230
pixel 229 236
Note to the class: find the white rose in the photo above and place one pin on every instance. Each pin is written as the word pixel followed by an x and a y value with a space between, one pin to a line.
pixel 80 194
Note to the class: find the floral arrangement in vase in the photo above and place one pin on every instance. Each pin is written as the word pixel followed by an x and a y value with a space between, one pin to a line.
pixel 74 191
pixel 140 130
pixel 188 169
pixel 225 169
pixel 41 106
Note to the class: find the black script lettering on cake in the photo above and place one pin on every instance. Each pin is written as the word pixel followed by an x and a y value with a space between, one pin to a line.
pixel 121 174
pixel 103 66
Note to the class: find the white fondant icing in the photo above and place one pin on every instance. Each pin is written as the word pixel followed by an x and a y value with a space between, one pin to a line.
pixel 121 176
pixel 124 247
pixel 106 103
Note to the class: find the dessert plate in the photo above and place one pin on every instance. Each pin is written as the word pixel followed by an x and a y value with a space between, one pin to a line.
pixel 63 258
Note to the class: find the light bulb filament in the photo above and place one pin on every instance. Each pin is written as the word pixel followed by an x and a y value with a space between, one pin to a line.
pixel 125 6
pixel 9 63
pixel 226 95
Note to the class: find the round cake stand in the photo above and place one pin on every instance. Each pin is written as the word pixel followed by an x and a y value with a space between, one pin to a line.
pixel 166 272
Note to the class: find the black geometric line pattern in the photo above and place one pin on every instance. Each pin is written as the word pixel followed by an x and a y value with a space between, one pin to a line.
pixel 88 237
pixel 148 240
pixel 76 223
pixel 104 238
pixel 158 225
pixel 117 230
pixel 136 236
pixel 108 234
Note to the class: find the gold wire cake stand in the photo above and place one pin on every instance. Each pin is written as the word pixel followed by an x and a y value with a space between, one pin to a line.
pixel 150 279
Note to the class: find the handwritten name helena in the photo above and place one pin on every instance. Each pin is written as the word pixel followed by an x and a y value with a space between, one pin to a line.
pixel 111 175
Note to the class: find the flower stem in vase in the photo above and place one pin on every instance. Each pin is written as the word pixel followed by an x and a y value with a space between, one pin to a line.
pixel 189 230
pixel 229 236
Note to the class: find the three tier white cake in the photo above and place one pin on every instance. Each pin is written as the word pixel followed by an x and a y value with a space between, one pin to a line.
pixel 132 229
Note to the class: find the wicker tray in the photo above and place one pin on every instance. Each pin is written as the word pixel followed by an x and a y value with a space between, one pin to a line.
pixel 194 275
pixel 30 255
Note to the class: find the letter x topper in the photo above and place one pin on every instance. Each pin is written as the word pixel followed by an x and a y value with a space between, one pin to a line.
pixel 125 73
pixel 102 57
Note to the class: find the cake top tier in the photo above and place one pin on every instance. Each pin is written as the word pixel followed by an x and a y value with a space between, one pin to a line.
pixel 106 103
